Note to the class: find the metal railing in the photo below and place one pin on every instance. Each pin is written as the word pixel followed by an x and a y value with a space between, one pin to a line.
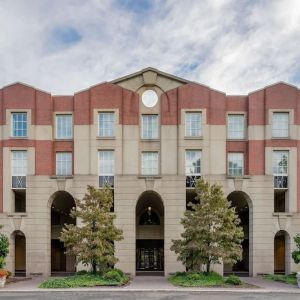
pixel 106 180
pixel 190 181
pixel 19 182
pixel 280 181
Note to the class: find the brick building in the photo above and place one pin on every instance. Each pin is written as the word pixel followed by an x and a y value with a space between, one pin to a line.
pixel 150 135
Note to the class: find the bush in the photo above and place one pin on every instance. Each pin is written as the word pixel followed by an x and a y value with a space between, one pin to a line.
pixel 2 262
pixel 233 280
pixel 113 275
pixel 119 271
pixel 82 272
pixel 194 276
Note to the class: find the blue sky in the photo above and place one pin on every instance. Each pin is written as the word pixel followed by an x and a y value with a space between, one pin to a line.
pixel 63 46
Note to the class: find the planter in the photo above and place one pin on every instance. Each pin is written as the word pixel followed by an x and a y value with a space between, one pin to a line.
pixel 2 281
pixel 298 279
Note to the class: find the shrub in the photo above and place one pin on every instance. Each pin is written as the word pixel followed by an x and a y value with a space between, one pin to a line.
pixel 4 243
pixel 3 273
pixel 119 271
pixel 194 276
pixel 113 275
pixel 2 262
pixel 82 272
pixel 233 280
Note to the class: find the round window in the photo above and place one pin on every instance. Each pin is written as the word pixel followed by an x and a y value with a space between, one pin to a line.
pixel 149 98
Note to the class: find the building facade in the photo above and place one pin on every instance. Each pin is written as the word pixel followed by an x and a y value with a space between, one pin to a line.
pixel 150 135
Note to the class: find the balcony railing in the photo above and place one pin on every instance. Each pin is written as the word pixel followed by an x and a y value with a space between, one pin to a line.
pixel 280 182
pixel 190 181
pixel 106 180
pixel 19 182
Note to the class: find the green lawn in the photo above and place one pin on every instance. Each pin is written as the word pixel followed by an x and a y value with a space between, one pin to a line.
pixel 198 279
pixel 85 280
pixel 290 279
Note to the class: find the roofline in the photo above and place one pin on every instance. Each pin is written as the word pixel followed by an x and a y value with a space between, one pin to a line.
pixel 273 84
pixel 25 84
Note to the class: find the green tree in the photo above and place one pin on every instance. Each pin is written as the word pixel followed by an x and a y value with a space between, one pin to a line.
pixel 4 248
pixel 93 241
pixel 296 253
pixel 211 230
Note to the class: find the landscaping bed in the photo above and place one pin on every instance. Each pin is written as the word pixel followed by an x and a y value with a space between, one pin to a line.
pixel 84 279
pixel 290 279
pixel 199 279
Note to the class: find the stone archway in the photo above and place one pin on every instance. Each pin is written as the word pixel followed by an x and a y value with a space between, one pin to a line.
pixel 282 252
pixel 18 240
pixel 149 234
pixel 243 206
pixel 62 203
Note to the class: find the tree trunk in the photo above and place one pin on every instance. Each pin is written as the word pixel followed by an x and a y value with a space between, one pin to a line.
pixel 94 265
pixel 208 267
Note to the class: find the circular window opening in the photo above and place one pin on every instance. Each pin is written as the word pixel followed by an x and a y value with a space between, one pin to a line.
pixel 149 98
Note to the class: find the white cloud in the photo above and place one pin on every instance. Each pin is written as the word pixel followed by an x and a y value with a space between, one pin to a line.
pixel 234 46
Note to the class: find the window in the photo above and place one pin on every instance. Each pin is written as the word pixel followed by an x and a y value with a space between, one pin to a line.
pixel 235 164
pixel 150 163
pixel 64 126
pixel 193 124
pixel 19 169
pixel 280 162
pixel 193 162
pixel 106 124
pixel 19 124
pixel 280 124
pixel 150 126
pixel 63 163
pixel 106 167
pixel 236 127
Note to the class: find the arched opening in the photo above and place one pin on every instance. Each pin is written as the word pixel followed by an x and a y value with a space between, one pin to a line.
pixel 19 241
pixel 240 201
pixel 281 252
pixel 149 234
pixel 61 206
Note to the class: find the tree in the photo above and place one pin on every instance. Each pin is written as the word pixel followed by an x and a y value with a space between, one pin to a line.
pixel 211 230
pixel 296 253
pixel 93 241
pixel 4 248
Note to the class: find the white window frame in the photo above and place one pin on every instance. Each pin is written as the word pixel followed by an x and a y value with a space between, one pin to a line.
pixel 188 162
pixel 237 133
pixel 280 129
pixel 234 155
pixel 12 123
pixel 191 126
pixel 277 168
pixel 66 158
pixel 64 128
pixel 19 163
pixel 150 125
pixel 102 161
pixel 108 130
pixel 153 170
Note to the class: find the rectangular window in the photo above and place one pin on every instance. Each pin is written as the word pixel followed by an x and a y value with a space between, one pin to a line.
pixel 19 169
pixel 280 162
pixel 150 126
pixel 106 167
pixel 63 163
pixel 106 124
pixel 236 127
pixel 64 126
pixel 280 124
pixel 193 124
pixel 193 162
pixel 235 164
pixel 149 163
pixel 19 124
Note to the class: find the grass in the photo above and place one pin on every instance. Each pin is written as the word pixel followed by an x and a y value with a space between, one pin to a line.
pixel 290 279
pixel 198 279
pixel 84 280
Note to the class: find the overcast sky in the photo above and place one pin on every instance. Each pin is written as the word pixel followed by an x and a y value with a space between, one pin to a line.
pixel 63 46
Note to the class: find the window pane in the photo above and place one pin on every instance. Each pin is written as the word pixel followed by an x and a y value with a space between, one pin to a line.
pixel 280 125
pixel 236 164
pixel 150 163
pixel 150 126
pixel 193 162
pixel 19 124
pixel 19 163
pixel 64 126
pixel 193 124
pixel 106 123
pixel 236 126
pixel 63 163
pixel 106 165
pixel 280 162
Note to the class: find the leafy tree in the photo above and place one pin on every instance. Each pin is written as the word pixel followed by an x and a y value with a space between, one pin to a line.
pixel 296 253
pixel 93 241
pixel 4 248
pixel 211 230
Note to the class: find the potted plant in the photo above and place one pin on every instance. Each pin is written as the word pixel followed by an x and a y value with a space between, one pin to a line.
pixel 3 275
pixel 296 256
pixel 3 253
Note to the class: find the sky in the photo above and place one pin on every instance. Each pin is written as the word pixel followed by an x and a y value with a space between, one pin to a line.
pixel 64 46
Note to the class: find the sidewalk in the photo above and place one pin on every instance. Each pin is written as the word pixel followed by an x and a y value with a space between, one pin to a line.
pixel 156 283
